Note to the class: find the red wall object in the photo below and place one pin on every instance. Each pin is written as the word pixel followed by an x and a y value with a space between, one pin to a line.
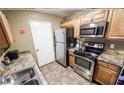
pixel 23 30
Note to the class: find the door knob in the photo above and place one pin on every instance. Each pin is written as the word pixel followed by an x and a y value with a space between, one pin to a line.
pixel 37 50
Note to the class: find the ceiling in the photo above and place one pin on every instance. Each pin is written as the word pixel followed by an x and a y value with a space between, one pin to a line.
pixel 59 12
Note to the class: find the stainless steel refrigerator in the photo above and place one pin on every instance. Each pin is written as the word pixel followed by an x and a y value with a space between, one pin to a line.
pixel 63 40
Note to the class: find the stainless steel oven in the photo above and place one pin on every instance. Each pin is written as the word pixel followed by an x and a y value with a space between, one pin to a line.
pixel 85 59
pixel 96 29
pixel 84 67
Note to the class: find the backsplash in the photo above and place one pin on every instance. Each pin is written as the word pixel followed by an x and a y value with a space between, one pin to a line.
pixel 2 51
pixel 119 45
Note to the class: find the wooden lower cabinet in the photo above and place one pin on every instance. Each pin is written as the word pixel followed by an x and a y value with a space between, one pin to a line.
pixel 104 74
pixel 71 60
pixel 71 57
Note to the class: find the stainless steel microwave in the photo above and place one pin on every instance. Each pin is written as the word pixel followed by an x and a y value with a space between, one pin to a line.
pixel 96 29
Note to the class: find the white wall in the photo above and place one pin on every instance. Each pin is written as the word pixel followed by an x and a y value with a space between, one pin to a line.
pixel 19 19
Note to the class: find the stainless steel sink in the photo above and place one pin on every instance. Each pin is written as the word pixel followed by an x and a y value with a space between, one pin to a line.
pixel 32 82
pixel 24 77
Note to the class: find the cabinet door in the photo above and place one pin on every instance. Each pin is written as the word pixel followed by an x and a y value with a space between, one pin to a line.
pixel 116 30
pixel 71 60
pixel 100 15
pixel 71 57
pixel 67 24
pixel 70 23
pixel 62 24
pixel 76 27
pixel 3 40
pixel 105 76
pixel 86 19
pixel 6 29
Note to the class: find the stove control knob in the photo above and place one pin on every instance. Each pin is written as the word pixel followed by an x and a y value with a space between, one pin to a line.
pixel 100 46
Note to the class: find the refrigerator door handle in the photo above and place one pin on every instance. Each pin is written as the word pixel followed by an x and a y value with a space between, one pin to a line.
pixel 54 36
pixel 64 35
pixel 54 39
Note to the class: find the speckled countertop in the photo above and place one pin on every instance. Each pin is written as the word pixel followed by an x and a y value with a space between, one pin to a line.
pixel 24 61
pixel 113 56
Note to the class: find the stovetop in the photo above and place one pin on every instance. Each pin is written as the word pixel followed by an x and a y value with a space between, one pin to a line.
pixel 90 55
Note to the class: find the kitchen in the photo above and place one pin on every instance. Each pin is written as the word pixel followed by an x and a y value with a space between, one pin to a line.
pixel 85 47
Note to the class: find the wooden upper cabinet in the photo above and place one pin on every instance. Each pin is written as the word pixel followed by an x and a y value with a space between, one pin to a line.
pixel 6 30
pixel 76 27
pixel 75 22
pixel 71 23
pixel 100 15
pixel 86 19
pixel 62 24
pixel 116 30
pixel 68 23
pixel 3 40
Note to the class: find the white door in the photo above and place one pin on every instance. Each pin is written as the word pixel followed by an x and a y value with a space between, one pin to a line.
pixel 43 41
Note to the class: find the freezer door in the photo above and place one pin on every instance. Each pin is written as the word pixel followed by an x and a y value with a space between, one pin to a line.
pixel 61 53
pixel 60 35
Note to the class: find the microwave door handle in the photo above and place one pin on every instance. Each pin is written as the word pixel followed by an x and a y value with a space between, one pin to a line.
pixel 95 30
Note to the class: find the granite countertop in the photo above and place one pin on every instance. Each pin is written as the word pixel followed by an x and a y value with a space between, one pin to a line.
pixel 113 57
pixel 24 61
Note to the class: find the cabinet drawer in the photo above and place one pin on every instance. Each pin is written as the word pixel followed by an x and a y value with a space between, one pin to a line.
pixel 113 67
pixel 102 63
pixel 71 52
pixel 109 66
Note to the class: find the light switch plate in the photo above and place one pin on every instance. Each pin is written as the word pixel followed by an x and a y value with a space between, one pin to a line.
pixel 112 46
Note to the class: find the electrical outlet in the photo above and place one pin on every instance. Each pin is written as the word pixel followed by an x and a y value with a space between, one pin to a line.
pixel 112 46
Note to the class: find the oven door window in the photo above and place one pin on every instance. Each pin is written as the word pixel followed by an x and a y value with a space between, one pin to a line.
pixel 82 63
pixel 100 30
pixel 87 31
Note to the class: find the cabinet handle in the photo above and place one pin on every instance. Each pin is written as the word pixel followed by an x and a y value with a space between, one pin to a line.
pixel 71 55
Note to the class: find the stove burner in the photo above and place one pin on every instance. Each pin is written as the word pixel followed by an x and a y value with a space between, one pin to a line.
pixel 89 55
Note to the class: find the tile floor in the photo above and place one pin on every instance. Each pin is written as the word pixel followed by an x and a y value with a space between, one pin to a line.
pixel 55 74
